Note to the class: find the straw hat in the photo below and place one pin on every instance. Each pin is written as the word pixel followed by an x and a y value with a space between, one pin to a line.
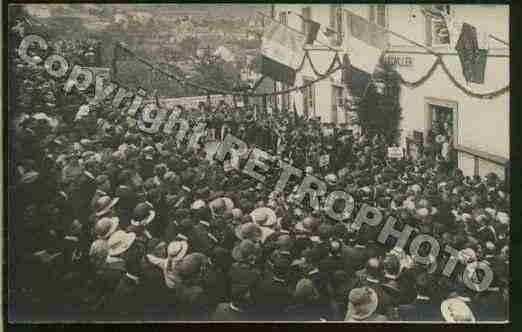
pixel 119 242
pixel 455 310
pixel 265 233
pixel 264 216
pixel 221 203
pixel 362 303
pixel 105 227
pixel 177 249
pixel 99 251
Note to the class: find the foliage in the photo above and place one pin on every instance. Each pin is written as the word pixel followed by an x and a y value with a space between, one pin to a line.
pixel 381 113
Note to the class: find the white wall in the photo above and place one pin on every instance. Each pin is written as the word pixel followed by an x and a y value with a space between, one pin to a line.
pixel 482 124
pixel 493 18
pixel 320 59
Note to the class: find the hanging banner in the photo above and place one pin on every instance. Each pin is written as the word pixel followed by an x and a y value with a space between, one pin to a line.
pixel 281 52
pixel 366 42
pixel 193 102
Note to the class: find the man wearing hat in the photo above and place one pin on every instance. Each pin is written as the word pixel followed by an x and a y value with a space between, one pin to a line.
pixel 238 309
pixel 245 269
pixel 144 215
pixel 399 284
pixel 122 303
pixel 455 310
pixel 426 306
pixel 193 302
pixel 103 188
pixel 105 206
pixel 105 227
pixel 362 306
pixel 306 303
pixel 274 291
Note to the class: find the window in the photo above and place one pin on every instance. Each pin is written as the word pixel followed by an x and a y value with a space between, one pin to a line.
pixel 285 99
pixel 378 15
pixel 338 94
pixel 336 23
pixel 275 97
pixel 272 11
pixel 309 98
pixel 283 18
pixel 436 31
pixel 337 102
pixel 306 12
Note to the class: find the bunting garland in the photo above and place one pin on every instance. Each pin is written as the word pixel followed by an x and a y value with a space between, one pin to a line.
pixel 320 76
pixel 439 61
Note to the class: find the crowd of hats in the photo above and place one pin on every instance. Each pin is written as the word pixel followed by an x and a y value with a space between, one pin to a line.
pixel 112 223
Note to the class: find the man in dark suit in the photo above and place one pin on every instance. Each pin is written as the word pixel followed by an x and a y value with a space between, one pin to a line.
pixel 274 292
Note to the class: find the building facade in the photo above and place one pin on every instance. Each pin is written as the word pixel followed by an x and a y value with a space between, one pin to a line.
pixel 477 128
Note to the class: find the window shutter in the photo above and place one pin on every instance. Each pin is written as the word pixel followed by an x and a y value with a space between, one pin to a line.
pixel 428 32
pixel 381 15
pixel 372 13
pixel 339 28
pixel 332 16
pixel 306 13
pixel 334 104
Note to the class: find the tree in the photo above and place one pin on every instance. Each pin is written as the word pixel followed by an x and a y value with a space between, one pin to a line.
pixel 379 112
pixel 215 72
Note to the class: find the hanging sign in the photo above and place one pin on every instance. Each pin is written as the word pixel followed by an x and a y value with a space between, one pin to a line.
pixel 399 60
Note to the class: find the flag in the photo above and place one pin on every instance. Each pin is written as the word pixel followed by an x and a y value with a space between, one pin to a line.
pixel 471 44
pixel 366 42
pixel 281 52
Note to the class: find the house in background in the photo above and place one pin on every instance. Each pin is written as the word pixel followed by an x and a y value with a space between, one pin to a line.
pixel 478 128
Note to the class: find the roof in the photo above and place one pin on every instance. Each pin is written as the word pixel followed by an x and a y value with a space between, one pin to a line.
pixel 225 53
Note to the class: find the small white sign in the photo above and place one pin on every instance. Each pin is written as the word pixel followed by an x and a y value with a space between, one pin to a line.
pixel 395 153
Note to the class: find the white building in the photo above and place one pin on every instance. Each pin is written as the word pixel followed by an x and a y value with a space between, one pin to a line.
pixel 479 127
pixel 225 54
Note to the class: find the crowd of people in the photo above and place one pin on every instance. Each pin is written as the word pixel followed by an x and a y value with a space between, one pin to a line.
pixel 113 223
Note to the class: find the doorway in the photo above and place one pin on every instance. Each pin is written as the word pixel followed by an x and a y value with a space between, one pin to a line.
pixel 441 128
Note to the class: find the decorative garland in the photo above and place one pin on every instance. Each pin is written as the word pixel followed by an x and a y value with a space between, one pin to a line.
pixel 320 77
pixel 488 95
pixel 439 61
pixel 424 78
